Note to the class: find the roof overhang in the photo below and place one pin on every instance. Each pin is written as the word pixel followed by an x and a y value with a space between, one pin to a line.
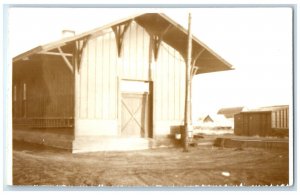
pixel 205 59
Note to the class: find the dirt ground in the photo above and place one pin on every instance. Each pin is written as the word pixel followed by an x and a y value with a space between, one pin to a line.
pixel 202 165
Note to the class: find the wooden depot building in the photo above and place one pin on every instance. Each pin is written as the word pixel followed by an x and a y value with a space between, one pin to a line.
pixel 118 87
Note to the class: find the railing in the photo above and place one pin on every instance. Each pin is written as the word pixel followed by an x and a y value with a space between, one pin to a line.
pixel 49 122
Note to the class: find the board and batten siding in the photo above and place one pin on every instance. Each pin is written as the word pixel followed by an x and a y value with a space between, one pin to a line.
pixel 58 88
pixel 101 69
pixel 169 89
pixel 135 53
pixel 99 79
pixel 45 87
pixel 280 118
pixel 97 91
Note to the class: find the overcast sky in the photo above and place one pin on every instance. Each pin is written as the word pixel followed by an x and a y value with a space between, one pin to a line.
pixel 256 41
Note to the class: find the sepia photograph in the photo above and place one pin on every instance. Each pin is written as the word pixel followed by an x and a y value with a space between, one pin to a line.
pixel 151 97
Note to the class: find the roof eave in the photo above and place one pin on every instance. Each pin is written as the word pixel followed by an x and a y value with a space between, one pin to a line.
pixel 225 65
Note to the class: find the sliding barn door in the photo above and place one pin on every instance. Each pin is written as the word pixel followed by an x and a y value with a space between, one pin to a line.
pixel 135 114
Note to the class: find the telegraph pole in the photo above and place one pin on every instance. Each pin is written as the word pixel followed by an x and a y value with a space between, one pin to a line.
pixel 187 108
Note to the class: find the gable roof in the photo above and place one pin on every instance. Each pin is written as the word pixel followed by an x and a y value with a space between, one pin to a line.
pixel 270 108
pixel 230 112
pixel 156 23
pixel 213 118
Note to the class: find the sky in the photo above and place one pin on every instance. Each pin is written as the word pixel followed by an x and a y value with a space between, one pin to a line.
pixel 256 41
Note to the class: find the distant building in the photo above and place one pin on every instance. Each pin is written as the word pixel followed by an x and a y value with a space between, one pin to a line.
pixel 206 119
pixel 264 121
pixel 215 121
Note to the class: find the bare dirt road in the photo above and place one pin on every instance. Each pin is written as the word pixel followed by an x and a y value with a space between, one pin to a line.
pixel 34 165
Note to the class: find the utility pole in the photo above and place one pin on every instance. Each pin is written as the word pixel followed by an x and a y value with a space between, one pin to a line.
pixel 187 108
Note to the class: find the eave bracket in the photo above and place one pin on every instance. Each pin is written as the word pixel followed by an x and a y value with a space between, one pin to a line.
pixel 119 31
pixel 157 39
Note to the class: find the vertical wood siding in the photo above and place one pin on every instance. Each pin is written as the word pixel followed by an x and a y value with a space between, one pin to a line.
pixel 251 124
pixel 280 118
pixel 135 53
pixel 49 88
pixel 59 88
pixel 169 89
pixel 59 85
pixel 98 79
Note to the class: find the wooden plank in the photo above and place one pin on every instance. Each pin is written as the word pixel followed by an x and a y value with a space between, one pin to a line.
pixel 98 77
pixel 65 59
pixel 132 51
pixel 163 81
pixel 145 39
pixel 139 58
pixel 83 84
pixel 171 82
pixel 119 107
pixel 281 119
pixel 136 46
pixel 145 54
pixel 87 84
pixel 182 89
pixel 106 77
pixel 113 77
pixel 109 83
pixel 101 99
pixel 176 88
pixel 159 86
pixel 156 89
pixel 91 78
pixel 285 118
pixel 56 53
pixel 167 80
pixel 96 67
pixel 125 53
pixel 128 55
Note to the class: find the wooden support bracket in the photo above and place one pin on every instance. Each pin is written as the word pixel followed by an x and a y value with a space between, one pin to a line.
pixel 194 68
pixel 62 54
pixel 56 53
pixel 119 31
pixel 157 39
pixel 65 59
pixel 80 45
